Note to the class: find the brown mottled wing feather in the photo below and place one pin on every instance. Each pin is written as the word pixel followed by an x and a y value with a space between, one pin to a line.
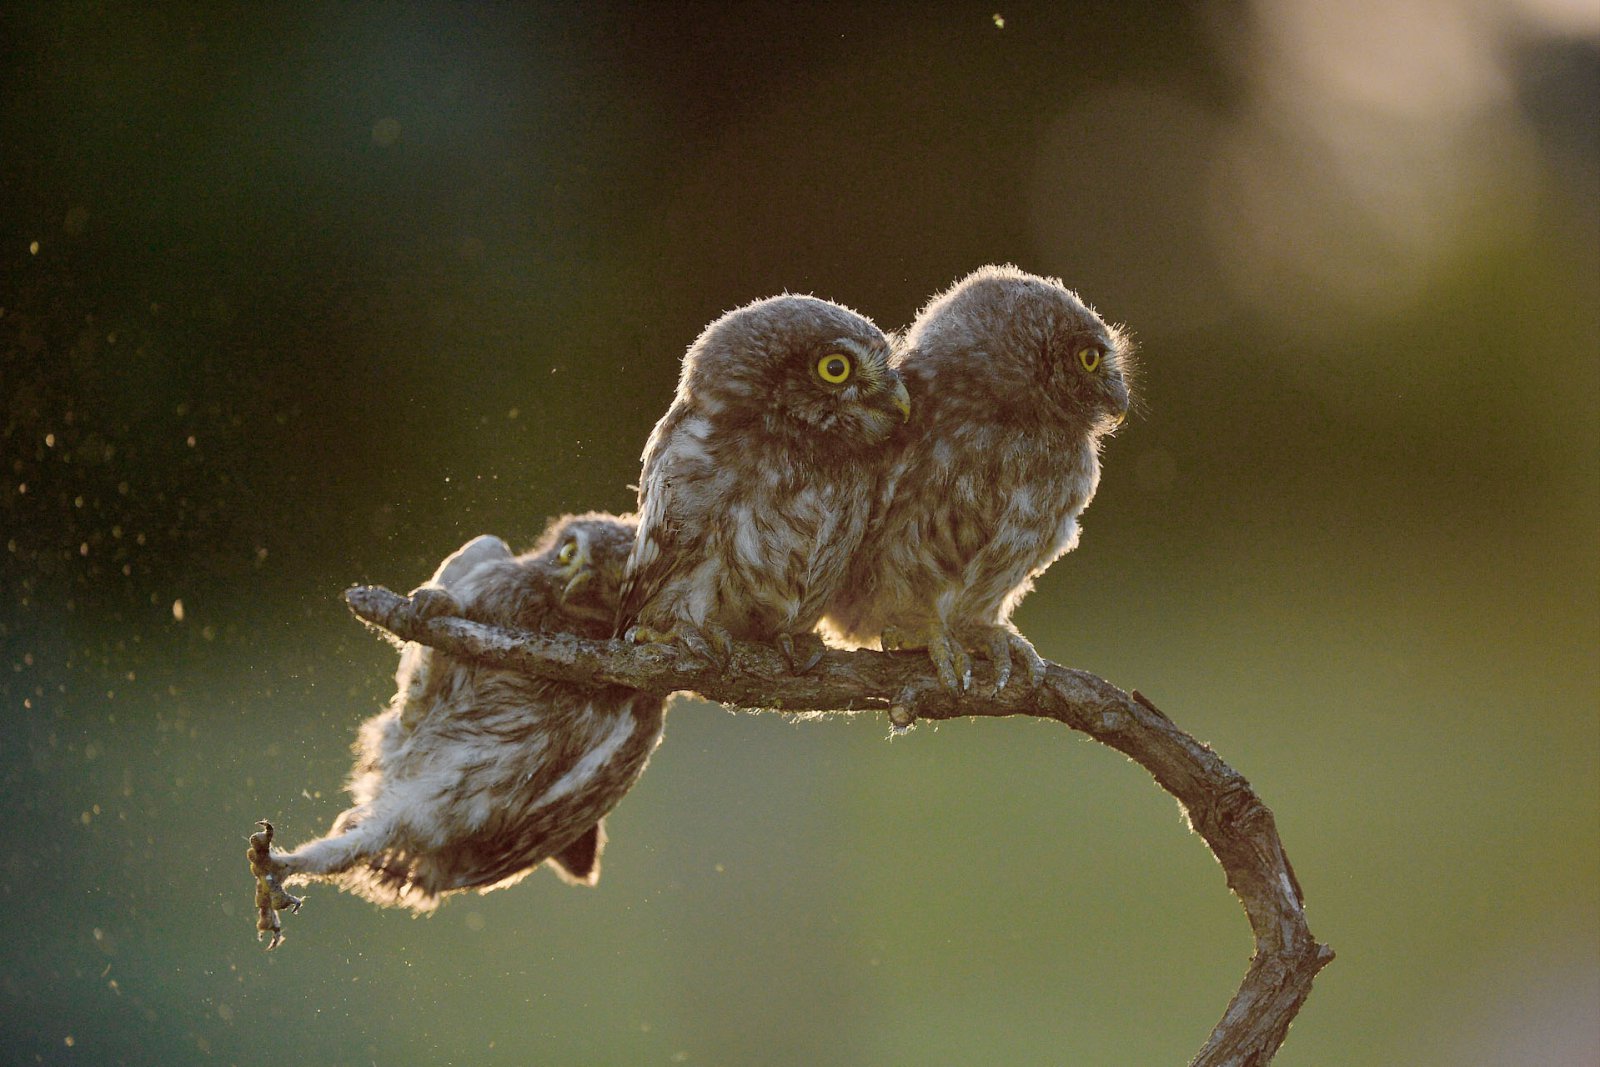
pixel 654 558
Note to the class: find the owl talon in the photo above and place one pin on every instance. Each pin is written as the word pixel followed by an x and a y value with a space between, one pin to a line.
pixel 1037 666
pixel 432 601
pixel 271 897
pixel 1000 655
pixel 1004 648
pixel 647 635
pixel 803 651
pixel 951 661
pixel 1020 648
pixel 712 645
pixel 894 639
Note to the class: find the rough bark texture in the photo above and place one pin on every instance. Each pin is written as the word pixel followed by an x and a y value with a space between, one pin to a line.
pixel 1220 804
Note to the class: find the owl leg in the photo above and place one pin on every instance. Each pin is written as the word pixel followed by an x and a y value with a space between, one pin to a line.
pixel 950 660
pixel 271 897
pixel 1002 645
pixel 803 651
pixel 358 834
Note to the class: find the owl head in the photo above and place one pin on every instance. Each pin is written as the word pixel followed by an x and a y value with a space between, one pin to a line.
pixel 584 556
pixel 808 371
pixel 1030 336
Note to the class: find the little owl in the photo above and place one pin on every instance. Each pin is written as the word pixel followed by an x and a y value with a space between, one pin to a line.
pixel 759 479
pixel 473 776
pixel 1015 382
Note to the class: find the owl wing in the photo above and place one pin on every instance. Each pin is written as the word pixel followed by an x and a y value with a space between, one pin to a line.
pixel 653 559
pixel 411 676
pixel 465 559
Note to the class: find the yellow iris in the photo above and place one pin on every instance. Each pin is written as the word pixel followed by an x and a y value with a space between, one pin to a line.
pixel 1090 358
pixel 834 368
pixel 568 551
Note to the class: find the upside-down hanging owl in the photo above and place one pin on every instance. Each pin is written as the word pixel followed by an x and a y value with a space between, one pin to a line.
pixel 1016 382
pixel 759 479
pixel 473 776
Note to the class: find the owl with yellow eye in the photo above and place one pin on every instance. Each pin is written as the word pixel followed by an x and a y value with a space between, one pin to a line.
pixel 759 479
pixel 473 776
pixel 1016 383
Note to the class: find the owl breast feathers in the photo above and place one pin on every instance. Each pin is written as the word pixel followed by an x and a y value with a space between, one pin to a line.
pixel 1014 382
pixel 758 481
pixel 473 776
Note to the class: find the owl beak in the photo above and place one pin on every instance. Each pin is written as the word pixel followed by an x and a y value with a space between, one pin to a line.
pixel 575 583
pixel 581 574
pixel 902 400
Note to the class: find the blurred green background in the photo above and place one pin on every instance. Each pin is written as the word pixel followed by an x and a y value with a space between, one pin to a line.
pixel 295 298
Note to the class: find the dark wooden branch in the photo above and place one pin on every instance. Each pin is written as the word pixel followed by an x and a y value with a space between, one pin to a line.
pixel 1220 804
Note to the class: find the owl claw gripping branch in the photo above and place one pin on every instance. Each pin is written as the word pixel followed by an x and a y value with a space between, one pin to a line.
pixel 759 481
pixel 472 776
pixel 779 491
pixel 1015 382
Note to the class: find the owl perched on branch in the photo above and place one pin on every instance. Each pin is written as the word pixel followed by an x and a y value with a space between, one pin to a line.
pixel 759 479
pixel 1015 382
pixel 472 776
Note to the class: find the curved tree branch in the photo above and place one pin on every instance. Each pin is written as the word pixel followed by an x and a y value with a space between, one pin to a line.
pixel 1220 804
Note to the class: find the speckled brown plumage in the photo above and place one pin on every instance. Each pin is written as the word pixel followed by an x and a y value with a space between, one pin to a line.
pixel 758 480
pixel 471 777
pixel 989 478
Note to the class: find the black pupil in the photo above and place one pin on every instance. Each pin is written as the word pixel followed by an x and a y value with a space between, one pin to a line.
pixel 835 367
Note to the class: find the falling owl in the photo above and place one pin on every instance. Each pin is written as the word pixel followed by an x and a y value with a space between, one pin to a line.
pixel 1016 382
pixel 472 776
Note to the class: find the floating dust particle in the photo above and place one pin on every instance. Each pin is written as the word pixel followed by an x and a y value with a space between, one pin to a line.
pixel 177 610
pixel 33 250
pixel 999 20
pixel 386 131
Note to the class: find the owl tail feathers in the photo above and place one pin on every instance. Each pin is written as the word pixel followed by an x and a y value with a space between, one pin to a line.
pixel 579 862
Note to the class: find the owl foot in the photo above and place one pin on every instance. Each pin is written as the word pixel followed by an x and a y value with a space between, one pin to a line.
pixel 1003 645
pixel 803 651
pixel 271 897
pixel 432 601
pixel 950 660
pixel 712 645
